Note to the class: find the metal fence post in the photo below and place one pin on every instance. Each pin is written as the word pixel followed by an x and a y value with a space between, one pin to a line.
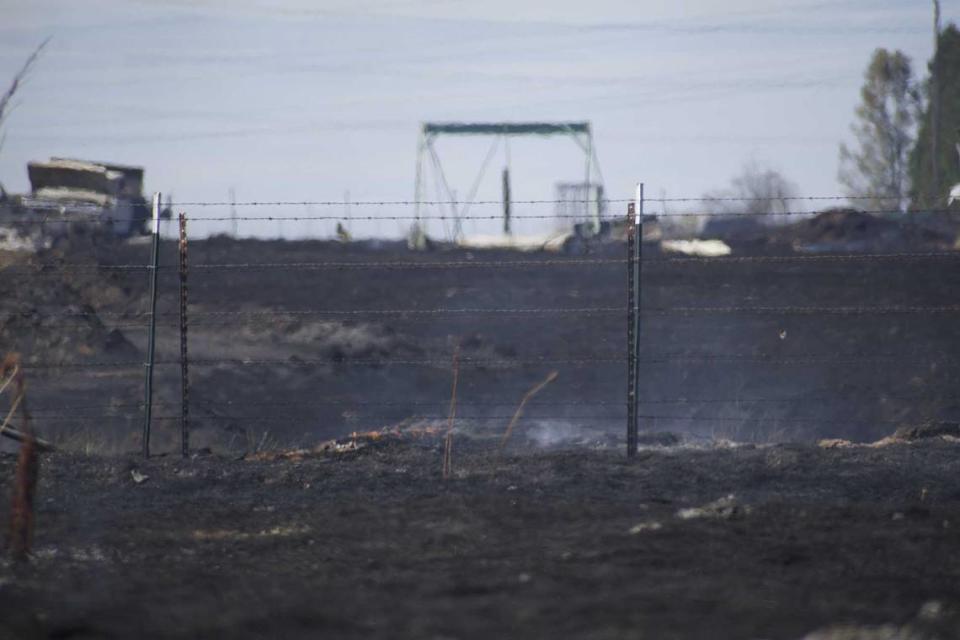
pixel 634 253
pixel 184 360
pixel 151 336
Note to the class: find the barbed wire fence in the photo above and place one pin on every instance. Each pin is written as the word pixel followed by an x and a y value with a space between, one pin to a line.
pixel 592 396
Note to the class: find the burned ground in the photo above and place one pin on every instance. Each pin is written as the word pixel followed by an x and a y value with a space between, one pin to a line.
pixel 532 544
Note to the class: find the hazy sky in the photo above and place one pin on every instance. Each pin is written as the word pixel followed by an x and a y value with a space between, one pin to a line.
pixel 297 100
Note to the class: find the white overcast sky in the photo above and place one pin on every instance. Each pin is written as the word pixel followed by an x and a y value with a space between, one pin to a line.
pixel 297 100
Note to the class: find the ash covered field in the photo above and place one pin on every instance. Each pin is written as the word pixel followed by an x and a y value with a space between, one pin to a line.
pixel 735 521
pixel 816 543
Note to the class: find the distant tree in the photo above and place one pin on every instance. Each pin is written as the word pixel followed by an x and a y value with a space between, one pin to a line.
pixel 756 190
pixel 929 190
pixel 884 129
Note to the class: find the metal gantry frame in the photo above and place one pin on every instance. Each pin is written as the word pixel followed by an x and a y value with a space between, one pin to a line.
pixel 579 132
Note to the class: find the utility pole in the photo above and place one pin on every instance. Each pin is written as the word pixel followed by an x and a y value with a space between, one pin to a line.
pixel 935 106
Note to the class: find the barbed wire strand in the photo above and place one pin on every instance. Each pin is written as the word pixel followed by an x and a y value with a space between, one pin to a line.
pixel 452 217
pixel 848 310
pixel 352 403
pixel 556 216
pixel 612 358
pixel 58 270
pixel 811 310
pixel 542 201
pixel 394 420
pixel 294 362
pixel 39 204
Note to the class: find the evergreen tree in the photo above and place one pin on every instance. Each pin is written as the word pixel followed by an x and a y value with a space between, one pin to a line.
pixel 929 191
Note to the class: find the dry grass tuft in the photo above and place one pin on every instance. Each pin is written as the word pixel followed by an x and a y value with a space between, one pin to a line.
pixel 28 463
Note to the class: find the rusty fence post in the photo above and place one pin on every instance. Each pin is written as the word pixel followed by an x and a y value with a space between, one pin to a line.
pixel 184 360
pixel 634 253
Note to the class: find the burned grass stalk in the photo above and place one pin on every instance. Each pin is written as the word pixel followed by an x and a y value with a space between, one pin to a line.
pixel 526 398
pixel 28 462
pixel 21 509
pixel 6 99
pixel 448 438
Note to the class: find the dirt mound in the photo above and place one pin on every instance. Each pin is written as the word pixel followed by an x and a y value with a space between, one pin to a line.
pixel 931 430
pixel 851 230
pixel 843 225
pixel 948 431
pixel 46 318
pixel 834 230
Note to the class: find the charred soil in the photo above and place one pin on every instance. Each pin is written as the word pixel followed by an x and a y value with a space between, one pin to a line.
pixel 749 542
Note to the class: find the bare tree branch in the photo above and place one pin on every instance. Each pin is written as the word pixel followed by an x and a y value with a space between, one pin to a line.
pixel 18 80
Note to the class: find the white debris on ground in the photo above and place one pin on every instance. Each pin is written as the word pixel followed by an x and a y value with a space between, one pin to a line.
pixel 702 248
pixel 645 526
pixel 882 632
pixel 91 553
pixel 234 535
pixel 535 242
pixel 932 612
pixel 726 508
pixel 13 239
